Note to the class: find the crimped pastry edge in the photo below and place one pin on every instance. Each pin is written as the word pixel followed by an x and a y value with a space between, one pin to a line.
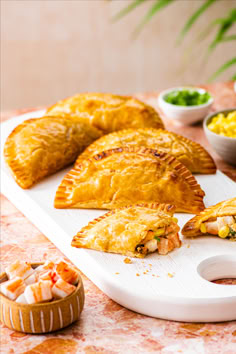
pixel 192 226
pixel 17 170
pixel 168 209
pixel 62 191
pixel 207 162
pixel 145 105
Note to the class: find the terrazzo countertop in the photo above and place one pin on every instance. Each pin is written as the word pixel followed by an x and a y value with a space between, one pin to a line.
pixel 104 326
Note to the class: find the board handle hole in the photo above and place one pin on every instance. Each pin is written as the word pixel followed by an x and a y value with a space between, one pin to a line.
pixel 218 268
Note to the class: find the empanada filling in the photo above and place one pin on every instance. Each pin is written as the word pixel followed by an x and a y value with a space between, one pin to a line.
pixel 163 240
pixel 223 227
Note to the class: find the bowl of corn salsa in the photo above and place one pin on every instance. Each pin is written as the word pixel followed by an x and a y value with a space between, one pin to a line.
pixel 185 105
pixel 220 130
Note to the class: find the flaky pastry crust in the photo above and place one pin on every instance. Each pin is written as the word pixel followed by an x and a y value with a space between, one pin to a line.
pixel 42 146
pixel 109 112
pixel 189 153
pixel 121 230
pixel 128 175
pixel 225 208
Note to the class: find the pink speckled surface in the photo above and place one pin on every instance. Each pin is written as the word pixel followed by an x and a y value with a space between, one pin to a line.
pixel 106 327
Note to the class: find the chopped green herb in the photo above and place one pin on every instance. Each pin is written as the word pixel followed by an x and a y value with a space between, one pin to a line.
pixel 157 238
pixel 231 232
pixel 187 97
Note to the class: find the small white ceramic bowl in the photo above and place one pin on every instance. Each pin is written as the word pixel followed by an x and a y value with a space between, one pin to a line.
pixel 184 114
pixel 223 145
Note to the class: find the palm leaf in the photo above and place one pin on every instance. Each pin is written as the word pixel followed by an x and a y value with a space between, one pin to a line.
pixel 158 5
pixel 127 9
pixel 227 65
pixel 194 18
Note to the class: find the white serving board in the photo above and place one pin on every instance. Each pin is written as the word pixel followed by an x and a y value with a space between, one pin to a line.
pixel 186 296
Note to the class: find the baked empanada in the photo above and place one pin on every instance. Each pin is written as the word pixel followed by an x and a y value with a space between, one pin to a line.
pixel 132 231
pixel 127 175
pixel 109 112
pixel 219 220
pixel 191 154
pixel 39 147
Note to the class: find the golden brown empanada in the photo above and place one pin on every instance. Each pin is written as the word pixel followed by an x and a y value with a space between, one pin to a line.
pixel 191 154
pixel 219 220
pixel 132 231
pixel 109 112
pixel 39 147
pixel 127 175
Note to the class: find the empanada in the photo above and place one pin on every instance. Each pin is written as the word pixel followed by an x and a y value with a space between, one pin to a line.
pixel 127 175
pixel 109 112
pixel 132 231
pixel 39 147
pixel 219 220
pixel 191 154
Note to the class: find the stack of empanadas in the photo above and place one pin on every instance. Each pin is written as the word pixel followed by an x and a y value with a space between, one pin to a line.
pixel 42 146
pixel 141 165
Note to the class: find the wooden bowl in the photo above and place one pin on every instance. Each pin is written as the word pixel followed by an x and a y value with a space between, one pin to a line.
pixel 44 317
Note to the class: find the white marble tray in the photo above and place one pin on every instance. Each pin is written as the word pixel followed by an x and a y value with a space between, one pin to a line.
pixel 174 287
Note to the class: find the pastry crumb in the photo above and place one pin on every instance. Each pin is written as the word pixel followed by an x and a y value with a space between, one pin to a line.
pixel 127 261
pixel 137 274
pixel 170 275
pixel 117 273
pixel 188 246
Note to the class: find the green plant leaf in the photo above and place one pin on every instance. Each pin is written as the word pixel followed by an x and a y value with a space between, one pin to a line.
pixel 194 18
pixel 209 28
pixel 226 24
pixel 158 5
pixel 127 9
pixel 224 67
pixel 229 38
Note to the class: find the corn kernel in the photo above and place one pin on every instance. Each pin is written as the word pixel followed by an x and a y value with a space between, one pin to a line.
pixel 224 124
pixel 203 228
pixel 160 232
pixel 175 220
pixel 224 231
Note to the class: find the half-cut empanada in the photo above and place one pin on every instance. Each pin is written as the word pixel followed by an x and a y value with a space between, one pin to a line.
pixel 132 231
pixel 109 112
pixel 191 154
pixel 127 175
pixel 219 220
pixel 39 147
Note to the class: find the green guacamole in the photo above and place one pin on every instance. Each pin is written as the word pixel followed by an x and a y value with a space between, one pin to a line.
pixel 187 97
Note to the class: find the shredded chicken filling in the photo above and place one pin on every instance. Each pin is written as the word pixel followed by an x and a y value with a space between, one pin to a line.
pixel 221 226
pixel 163 240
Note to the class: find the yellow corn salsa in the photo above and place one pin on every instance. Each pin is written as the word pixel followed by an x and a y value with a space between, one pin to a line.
pixel 224 124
